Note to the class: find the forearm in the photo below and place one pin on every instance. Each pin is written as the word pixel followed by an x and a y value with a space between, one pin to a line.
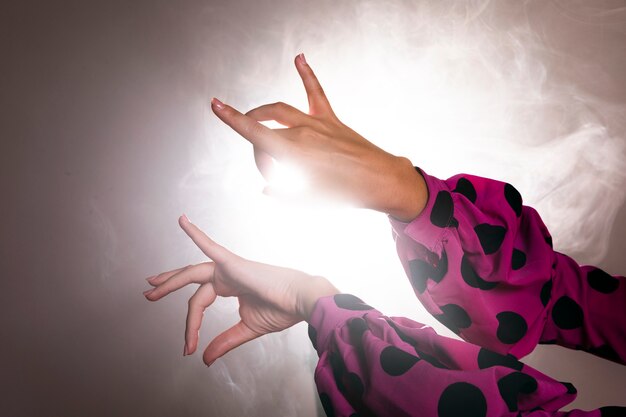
pixel 376 365
pixel 405 191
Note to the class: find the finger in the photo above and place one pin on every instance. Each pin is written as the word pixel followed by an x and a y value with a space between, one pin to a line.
pixel 282 113
pixel 250 129
pixel 206 245
pixel 197 274
pixel 159 279
pixel 227 341
pixel 318 103
pixel 204 297
pixel 264 163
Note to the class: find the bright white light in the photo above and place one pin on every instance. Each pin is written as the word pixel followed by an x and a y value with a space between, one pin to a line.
pixel 284 177
pixel 287 178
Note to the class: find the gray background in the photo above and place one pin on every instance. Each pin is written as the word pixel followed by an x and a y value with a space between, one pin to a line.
pixel 107 136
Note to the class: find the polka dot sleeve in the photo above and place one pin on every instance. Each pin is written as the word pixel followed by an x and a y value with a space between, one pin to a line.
pixel 370 365
pixel 482 263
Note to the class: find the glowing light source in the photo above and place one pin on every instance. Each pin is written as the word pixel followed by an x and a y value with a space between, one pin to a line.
pixel 287 178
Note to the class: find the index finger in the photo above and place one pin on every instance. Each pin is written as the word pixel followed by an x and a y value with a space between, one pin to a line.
pixel 255 132
pixel 211 249
pixel 318 103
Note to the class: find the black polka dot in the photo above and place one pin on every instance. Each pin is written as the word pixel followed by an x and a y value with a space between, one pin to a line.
pixel 327 404
pixel 420 271
pixel 354 385
pixel 571 389
pixel 490 237
pixel 395 361
pixel 546 292
pixel 400 333
pixel 514 199
pixel 454 222
pixel 313 336
pixel 339 369
pixel 442 209
pixel 514 384
pixel 567 314
pixel 472 279
pixel 511 327
pixel 440 268
pixel 548 240
pixel 357 327
pixel 430 359
pixel 454 317
pixel 350 302
pixel 612 411
pixel 518 260
pixel 488 358
pixel 422 355
pixel 466 188
pixel 601 281
pixel 462 399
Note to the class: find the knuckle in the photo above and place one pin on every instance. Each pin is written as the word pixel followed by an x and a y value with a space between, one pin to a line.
pixel 317 90
pixel 280 106
pixel 254 129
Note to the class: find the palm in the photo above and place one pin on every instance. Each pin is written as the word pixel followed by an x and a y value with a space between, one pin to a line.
pixel 259 316
pixel 262 318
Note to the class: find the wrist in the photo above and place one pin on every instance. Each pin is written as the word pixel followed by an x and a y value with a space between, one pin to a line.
pixel 312 290
pixel 408 191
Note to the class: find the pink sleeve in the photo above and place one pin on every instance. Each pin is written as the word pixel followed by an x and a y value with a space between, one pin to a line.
pixel 479 261
pixel 370 364
pixel 482 263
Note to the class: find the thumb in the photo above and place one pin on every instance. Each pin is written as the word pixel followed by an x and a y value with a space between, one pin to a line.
pixel 227 341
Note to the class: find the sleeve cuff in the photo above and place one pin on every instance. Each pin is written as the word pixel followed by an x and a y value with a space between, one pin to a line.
pixel 331 312
pixel 422 228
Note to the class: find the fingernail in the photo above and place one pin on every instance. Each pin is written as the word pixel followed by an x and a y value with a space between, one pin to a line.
pixel 218 104
pixel 303 58
pixel 151 278
pixel 185 218
pixel 145 293
pixel 185 353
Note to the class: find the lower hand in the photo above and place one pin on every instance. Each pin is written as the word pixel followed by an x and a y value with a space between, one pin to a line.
pixel 271 298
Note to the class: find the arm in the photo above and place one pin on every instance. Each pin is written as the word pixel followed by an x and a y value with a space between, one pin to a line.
pixel 480 262
pixel 369 363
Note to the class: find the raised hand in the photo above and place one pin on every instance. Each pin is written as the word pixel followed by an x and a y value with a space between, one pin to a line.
pixel 271 298
pixel 337 161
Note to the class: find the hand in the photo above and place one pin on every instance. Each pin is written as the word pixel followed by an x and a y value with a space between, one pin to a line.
pixel 271 298
pixel 337 160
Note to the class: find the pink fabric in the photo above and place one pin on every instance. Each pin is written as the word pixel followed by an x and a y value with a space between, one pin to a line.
pixel 483 264
pixel 375 365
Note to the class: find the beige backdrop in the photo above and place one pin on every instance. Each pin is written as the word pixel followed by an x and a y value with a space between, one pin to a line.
pixel 106 136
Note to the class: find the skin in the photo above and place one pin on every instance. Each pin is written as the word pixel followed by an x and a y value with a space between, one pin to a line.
pixel 271 298
pixel 340 164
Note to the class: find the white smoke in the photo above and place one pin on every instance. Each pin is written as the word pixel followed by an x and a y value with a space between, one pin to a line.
pixel 473 87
